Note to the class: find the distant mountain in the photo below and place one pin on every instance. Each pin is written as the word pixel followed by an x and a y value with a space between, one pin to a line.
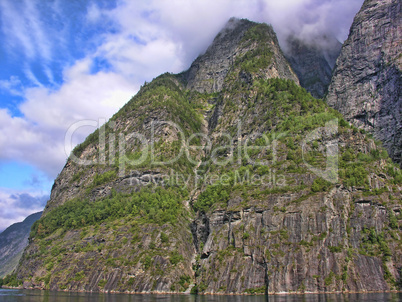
pixel 313 61
pixel 227 178
pixel 13 240
pixel 367 83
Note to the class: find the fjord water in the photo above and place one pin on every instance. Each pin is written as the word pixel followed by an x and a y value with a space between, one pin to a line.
pixel 11 295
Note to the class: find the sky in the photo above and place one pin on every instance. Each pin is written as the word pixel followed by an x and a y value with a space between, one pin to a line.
pixel 64 61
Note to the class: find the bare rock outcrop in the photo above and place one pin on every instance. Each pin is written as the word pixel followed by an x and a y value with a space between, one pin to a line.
pixel 366 84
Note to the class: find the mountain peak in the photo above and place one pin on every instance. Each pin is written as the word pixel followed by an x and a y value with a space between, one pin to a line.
pixel 238 38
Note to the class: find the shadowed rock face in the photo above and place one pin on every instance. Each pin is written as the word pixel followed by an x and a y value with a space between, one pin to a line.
pixel 313 62
pixel 111 229
pixel 13 240
pixel 366 85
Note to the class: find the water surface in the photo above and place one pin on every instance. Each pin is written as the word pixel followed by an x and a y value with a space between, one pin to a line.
pixel 12 295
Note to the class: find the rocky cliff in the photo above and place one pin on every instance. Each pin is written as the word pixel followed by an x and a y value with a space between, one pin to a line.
pixel 234 181
pixel 13 241
pixel 313 61
pixel 366 85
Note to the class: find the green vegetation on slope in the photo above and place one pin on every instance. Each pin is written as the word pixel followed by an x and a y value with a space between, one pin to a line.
pixel 290 113
pixel 163 205
pixel 259 57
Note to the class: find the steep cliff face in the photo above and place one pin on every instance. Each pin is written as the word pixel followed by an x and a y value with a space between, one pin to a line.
pixel 366 85
pixel 290 247
pixel 313 61
pixel 13 241
pixel 190 188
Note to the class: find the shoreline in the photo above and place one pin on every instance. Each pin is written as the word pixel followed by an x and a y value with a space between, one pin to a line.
pixel 206 294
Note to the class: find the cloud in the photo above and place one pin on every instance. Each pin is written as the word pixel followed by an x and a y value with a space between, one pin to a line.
pixel 31 76
pixel 27 201
pixel 94 14
pixel 37 138
pixel 15 206
pixel 192 25
pixel 28 33
pixel 13 86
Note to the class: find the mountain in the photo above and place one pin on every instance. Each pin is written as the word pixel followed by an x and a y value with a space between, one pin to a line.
pixel 13 240
pixel 226 178
pixel 313 61
pixel 367 81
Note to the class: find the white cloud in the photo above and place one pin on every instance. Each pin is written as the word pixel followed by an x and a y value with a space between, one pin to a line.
pixel 37 138
pixel 190 26
pixel 31 76
pixel 12 86
pixel 94 13
pixel 36 30
pixel 15 206
pixel 15 31
pixel 23 29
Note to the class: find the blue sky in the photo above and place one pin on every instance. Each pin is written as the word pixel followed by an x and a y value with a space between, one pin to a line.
pixel 63 61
